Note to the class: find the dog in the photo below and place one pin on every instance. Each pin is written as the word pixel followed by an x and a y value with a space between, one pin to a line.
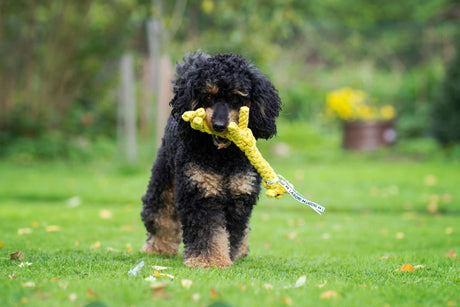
pixel 203 188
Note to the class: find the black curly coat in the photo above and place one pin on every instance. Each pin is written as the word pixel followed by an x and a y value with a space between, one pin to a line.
pixel 203 186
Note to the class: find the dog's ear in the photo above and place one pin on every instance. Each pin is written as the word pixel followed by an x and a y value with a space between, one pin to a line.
pixel 185 82
pixel 265 106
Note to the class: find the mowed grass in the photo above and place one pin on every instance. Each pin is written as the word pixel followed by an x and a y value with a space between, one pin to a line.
pixel 79 228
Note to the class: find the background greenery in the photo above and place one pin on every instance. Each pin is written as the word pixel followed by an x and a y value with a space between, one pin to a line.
pixel 59 60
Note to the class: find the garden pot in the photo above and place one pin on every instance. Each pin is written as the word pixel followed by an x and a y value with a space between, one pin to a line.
pixel 368 136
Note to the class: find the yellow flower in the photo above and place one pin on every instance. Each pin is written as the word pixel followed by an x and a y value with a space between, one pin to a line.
pixel 350 104
pixel 387 112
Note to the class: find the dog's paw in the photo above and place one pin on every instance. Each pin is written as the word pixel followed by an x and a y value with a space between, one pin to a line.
pixel 156 247
pixel 207 262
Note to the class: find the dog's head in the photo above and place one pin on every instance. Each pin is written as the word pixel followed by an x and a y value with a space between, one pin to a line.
pixel 222 84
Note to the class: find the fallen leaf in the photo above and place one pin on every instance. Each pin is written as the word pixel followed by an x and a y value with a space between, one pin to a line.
pixel 451 303
pixel 400 235
pixel 41 295
pixel 95 245
pixel 327 295
pixel 72 297
pixel 17 255
pixel 76 243
pixel 24 300
pixel 2 244
pixel 156 285
pixel 74 202
pixel 160 293
pixel 291 235
pixel 430 180
pixel 160 268
pixel 24 231
pixel 90 293
pixel 186 283
pixel 363 286
pixel 301 281
pixel 196 297
pixel 163 275
pixel 407 268
pixel 451 254
pixel 446 198
pixel 242 288
pixel 449 230
pixel 213 293
pixel 12 276
pixel 105 214
pixel 323 284
pixel 287 301
pixel 127 227
pixel 52 228
pixel 35 224
pixel 28 284
pixel 129 247
pixel 268 286
pixel 54 279
pixel 267 244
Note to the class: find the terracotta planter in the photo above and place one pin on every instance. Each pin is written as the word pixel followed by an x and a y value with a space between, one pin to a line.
pixel 368 136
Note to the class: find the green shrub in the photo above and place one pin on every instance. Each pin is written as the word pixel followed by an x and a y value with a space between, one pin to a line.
pixel 446 110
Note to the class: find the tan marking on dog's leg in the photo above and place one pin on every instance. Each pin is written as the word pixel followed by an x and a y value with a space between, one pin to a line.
pixel 242 183
pixel 244 248
pixel 168 235
pixel 217 254
pixel 210 183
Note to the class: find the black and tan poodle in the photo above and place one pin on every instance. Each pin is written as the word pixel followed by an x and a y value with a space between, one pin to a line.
pixel 203 186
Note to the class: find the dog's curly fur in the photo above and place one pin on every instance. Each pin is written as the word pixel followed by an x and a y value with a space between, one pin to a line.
pixel 203 186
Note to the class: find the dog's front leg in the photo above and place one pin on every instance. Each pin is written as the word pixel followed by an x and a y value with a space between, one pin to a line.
pixel 199 197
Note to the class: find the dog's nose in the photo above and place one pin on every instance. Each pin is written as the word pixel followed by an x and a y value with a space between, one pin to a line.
pixel 219 126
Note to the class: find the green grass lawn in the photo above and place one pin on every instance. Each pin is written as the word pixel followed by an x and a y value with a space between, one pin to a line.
pixel 78 227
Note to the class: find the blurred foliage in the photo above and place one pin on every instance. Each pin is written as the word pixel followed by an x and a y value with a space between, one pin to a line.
pixel 446 111
pixel 59 59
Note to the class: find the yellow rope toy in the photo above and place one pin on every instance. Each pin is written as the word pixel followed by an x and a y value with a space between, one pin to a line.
pixel 242 137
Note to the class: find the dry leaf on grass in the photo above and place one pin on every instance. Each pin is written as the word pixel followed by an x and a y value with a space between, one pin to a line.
pixel 24 231
pixel 28 284
pixel 196 297
pixel 52 228
pixel 407 268
pixel 95 245
pixel 213 293
pixel 327 295
pixel 90 293
pixel 323 284
pixel 73 297
pixel 2 244
pixel 301 281
pixel 287 301
pixel 268 286
pixel 156 274
pixel 451 254
pixel 105 214
pixel 160 268
pixel 186 283
pixel 17 255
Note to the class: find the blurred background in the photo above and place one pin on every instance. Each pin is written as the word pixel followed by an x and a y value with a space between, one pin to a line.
pixel 79 77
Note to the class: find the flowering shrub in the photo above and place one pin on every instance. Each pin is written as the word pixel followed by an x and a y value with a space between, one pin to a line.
pixel 353 105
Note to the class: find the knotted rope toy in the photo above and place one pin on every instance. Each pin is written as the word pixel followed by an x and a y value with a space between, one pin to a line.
pixel 243 138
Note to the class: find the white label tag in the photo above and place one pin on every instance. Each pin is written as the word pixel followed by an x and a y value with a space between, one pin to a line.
pixel 297 196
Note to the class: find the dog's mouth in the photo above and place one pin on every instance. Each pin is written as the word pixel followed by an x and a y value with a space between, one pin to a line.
pixel 220 142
